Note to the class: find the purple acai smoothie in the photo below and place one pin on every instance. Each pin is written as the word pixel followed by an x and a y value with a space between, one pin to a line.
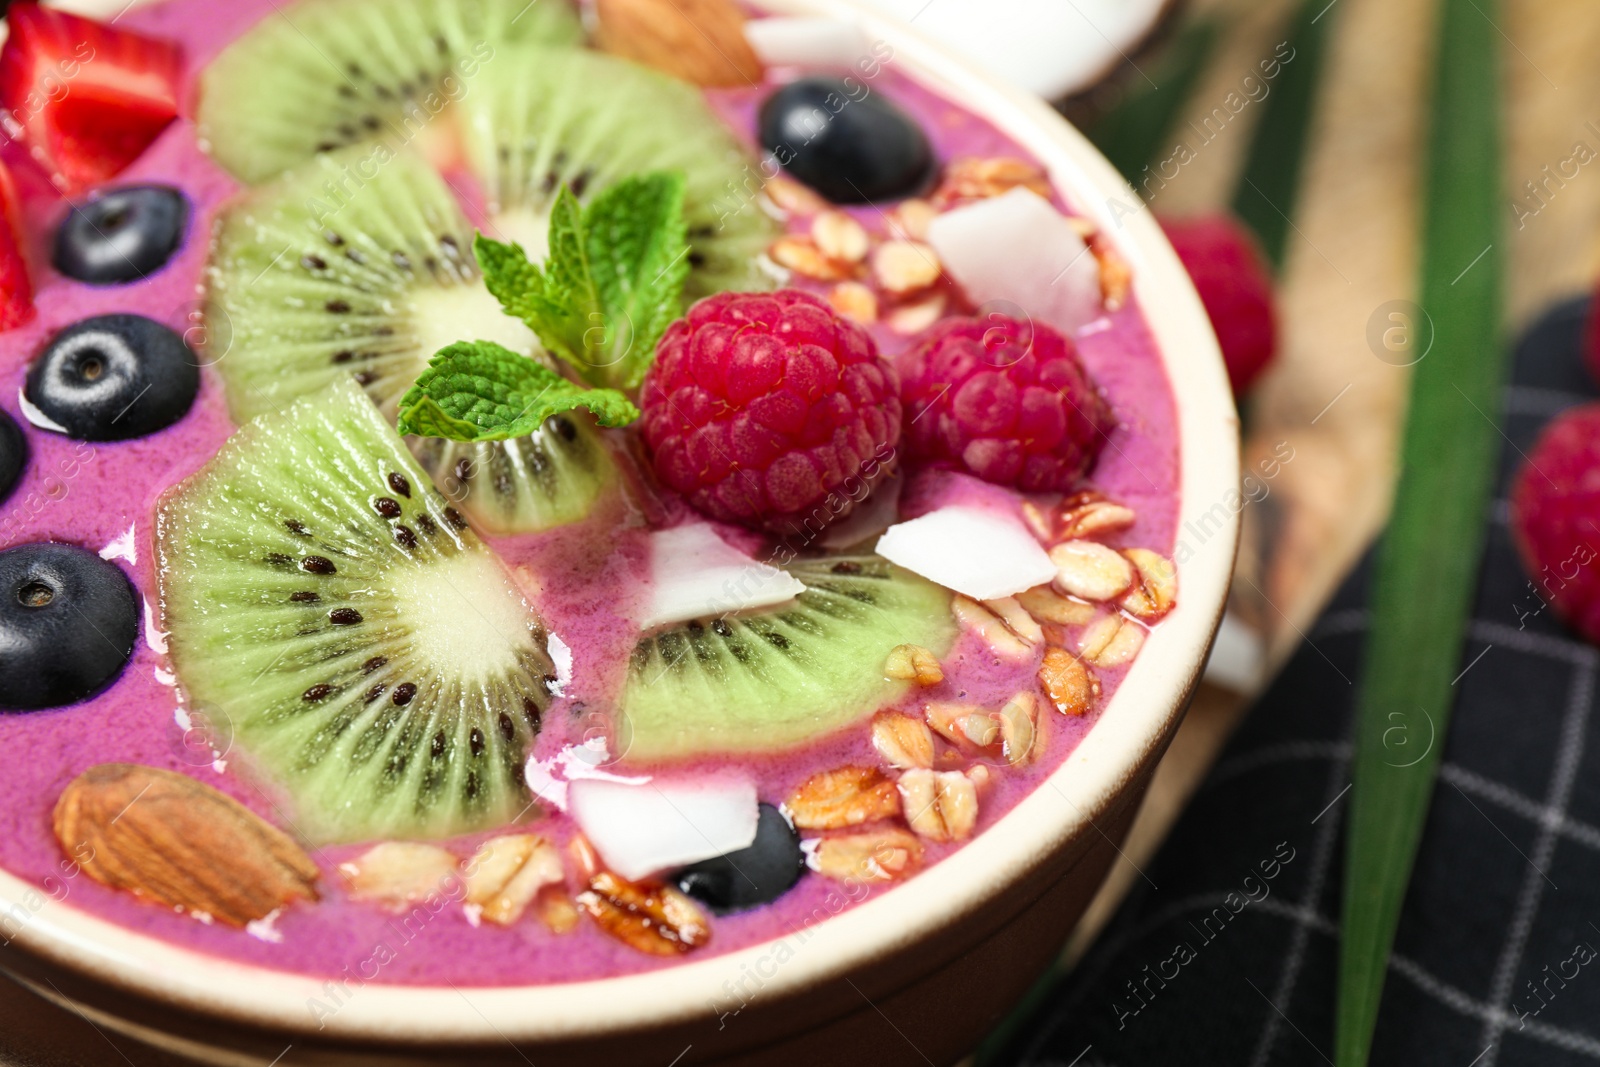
pixel 588 580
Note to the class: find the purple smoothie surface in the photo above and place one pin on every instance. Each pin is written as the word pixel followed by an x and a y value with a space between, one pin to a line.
pixel 584 578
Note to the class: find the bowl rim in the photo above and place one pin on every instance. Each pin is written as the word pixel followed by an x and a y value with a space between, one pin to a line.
pixel 1130 732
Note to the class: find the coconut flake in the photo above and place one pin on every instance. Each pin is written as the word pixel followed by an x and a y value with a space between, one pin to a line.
pixel 980 552
pixel 265 928
pixel 1048 47
pixel 561 657
pixel 37 417
pixel 1017 249
pixel 154 636
pixel 1237 656
pixel 548 779
pixel 694 574
pixel 124 546
pixel 869 518
pixel 805 42
pixel 642 828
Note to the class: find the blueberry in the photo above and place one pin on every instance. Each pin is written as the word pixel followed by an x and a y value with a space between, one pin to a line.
pixel 121 235
pixel 68 620
pixel 13 454
pixel 852 149
pixel 756 875
pixel 113 377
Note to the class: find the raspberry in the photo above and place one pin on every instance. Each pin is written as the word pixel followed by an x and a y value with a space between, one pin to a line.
pixel 1555 516
pixel 1235 288
pixel 770 410
pixel 1005 400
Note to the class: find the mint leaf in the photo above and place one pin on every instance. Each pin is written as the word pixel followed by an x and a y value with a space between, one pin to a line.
pixel 480 391
pixel 612 282
pixel 568 264
pixel 510 277
pixel 639 256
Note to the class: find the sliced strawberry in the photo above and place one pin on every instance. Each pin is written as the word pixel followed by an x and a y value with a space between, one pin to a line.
pixel 84 98
pixel 16 291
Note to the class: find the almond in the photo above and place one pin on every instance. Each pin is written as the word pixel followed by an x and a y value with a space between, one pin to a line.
pixel 845 796
pixel 701 41
pixel 174 840
pixel 654 919
pixel 886 855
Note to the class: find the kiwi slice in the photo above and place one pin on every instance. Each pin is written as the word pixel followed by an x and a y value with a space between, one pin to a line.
pixel 530 111
pixel 549 478
pixel 763 681
pixel 324 274
pixel 359 264
pixel 546 116
pixel 371 654
pixel 319 74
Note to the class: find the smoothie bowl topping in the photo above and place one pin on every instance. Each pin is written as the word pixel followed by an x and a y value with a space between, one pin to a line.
pixel 601 500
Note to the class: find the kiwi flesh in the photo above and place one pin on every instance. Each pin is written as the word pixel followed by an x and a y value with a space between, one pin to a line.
pixel 547 117
pixel 373 657
pixel 550 478
pixel 351 265
pixel 358 264
pixel 319 74
pixel 764 681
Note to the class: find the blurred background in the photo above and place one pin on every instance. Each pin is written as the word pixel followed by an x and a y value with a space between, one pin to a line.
pixel 1306 126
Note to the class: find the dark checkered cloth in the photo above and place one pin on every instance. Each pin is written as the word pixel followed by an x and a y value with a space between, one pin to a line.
pixel 1227 952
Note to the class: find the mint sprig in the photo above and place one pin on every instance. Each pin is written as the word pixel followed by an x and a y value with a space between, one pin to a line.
pixel 481 391
pixel 613 280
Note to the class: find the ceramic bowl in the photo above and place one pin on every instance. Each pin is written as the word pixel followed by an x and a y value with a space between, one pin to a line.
pixel 914 976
